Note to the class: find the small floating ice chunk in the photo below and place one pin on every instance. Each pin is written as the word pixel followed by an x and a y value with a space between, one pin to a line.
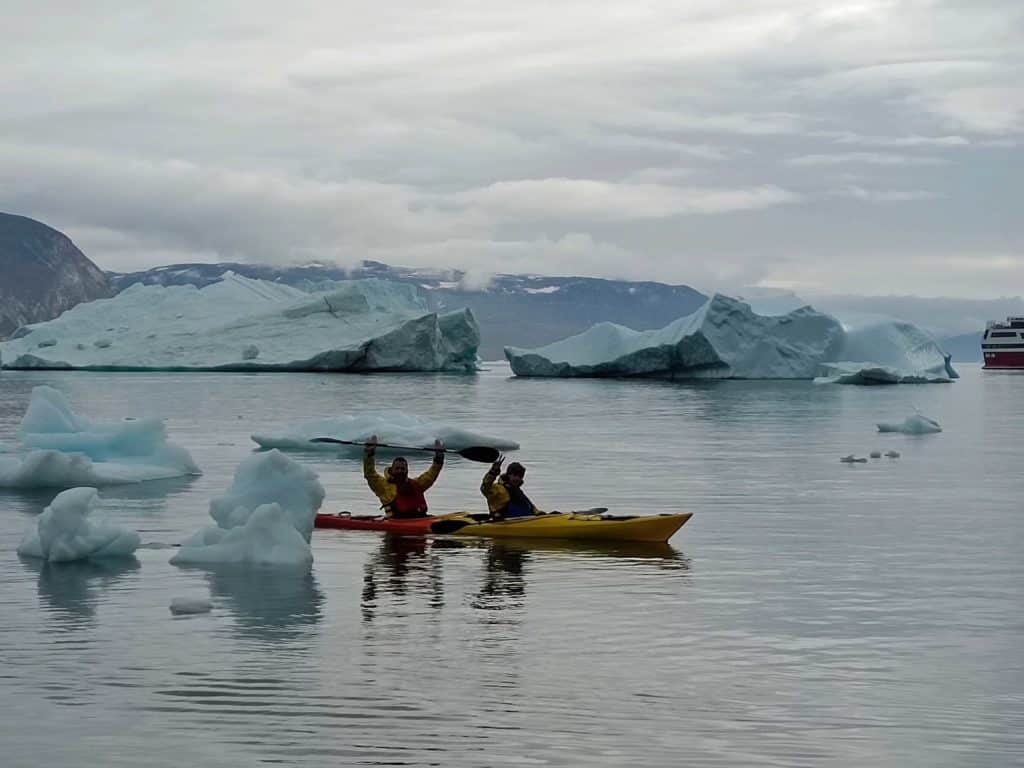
pixel 265 518
pixel 188 605
pixel 64 531
pixel 917 424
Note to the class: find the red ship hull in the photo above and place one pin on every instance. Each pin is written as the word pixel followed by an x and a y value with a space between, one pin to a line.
pixel 1008 360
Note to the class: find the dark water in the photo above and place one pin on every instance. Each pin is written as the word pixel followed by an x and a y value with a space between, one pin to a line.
pixel 811 613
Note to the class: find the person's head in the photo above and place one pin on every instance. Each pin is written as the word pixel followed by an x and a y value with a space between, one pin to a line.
pixel 515 473
pixel 399 469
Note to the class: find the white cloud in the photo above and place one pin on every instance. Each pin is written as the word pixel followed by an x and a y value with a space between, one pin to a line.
pixel 899 141
pixel 587 198
pixel 870 158
pixel 993 110
pixel 884 195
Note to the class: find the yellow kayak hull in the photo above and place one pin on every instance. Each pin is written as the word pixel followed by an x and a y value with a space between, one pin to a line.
pixel 649 528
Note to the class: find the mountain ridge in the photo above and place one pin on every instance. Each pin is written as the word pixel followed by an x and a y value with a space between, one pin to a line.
pixel 44 273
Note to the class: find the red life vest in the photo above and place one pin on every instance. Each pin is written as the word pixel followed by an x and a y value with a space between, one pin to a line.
pixel 409 501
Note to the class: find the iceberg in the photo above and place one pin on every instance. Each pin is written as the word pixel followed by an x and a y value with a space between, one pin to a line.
pixel 243 324
pixel 265 517
pixel 725 338
pixel 64 532
pixel 868 373
pixel 393 427
pixel 889 351
pixel 917 424
pixel 722 339
pixel 63 449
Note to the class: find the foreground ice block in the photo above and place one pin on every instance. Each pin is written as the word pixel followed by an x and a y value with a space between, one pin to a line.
pixel 393 427
pixel 65 531
pixel 248 325
pixel 726 339
pixel 264 518
pixel 61 449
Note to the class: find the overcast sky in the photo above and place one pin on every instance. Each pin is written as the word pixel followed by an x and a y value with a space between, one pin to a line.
pixel 870 147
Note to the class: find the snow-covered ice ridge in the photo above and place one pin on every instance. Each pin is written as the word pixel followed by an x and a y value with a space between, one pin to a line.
pixel 393 427
pixel 725 338
pixel 243 324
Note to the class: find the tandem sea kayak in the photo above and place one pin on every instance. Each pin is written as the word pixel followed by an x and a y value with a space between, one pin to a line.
pixel 555 525
pixel 648 528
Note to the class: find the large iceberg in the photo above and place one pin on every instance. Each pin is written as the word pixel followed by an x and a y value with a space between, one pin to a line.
pixel 248 325
pixel 393 427
pixel 725 338
pixel 65 532
pixel 62 449
pixel 265 518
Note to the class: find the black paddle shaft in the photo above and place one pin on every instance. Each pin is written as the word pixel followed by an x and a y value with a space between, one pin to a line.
pixel 482 453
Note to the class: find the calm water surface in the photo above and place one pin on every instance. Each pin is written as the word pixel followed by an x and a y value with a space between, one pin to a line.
pixel 811 613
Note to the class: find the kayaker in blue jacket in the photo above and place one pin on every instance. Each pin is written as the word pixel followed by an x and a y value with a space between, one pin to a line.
pixel 504 492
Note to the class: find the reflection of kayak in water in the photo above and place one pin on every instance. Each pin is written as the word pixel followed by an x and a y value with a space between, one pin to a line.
pixel 416 526
pixel 628 550
pixel 643 528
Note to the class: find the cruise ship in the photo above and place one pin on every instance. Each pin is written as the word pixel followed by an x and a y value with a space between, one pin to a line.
pixel 1002 345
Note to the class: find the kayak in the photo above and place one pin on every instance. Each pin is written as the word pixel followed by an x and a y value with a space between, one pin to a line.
pixel 415 526
pixel 656 528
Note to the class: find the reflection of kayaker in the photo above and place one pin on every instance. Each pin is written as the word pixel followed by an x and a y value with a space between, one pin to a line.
pixel 400 496
pixel 403 565
pixel 504 492
pixel 504 578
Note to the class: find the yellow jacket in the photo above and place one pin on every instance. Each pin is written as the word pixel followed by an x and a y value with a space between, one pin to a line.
pixel 496 494
pixel 386 489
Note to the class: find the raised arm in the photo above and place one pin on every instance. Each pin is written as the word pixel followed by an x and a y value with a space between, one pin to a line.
pixel 429 477
pixel 374 479
pixel 487 487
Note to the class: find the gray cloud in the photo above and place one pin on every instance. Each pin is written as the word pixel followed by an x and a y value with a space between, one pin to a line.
pixel 779 143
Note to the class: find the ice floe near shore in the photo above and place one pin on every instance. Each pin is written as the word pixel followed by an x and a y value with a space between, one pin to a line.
pixel 392 427
pixel 60 449
pixel 726 339
pixel 65 531
pixel 248 325
pixel 265 517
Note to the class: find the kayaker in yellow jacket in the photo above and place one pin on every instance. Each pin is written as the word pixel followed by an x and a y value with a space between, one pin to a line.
pixel 400 496
pixel 504 492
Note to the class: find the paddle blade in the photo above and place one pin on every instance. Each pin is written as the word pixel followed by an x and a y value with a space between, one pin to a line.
pixel 481 453
pixel 449 526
